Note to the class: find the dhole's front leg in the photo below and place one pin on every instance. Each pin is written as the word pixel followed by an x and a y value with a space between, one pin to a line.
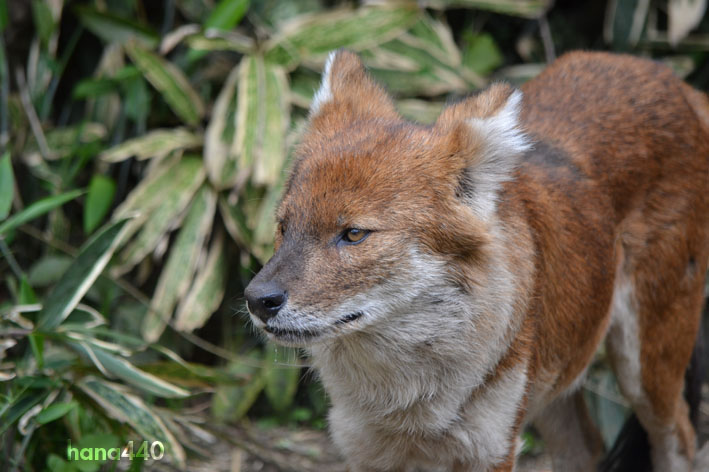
pixel 570 435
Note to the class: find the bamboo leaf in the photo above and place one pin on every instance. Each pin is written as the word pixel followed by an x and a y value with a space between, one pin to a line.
pixel 481 54
pixel 264 224
pixel 37 346
pixel 112 28
pixel 684 16
pixel 169 81
pixel 282 374
pixel 43 20
pixel 36 210
pixel 98 201
pixel 227 14
pixel 216 40
pixel 77 280
pixel 421 111
pixel 250 112
pixel 121 368
pixel 268 164
pixel 422 61
pixel 220 158
pixel 4 16
pixel 207 291
pixel 181 263
pixel 169 214
pixel 314 35
pixel 157 143
pixel 16 407
pixel 230 403
pixel 128 408
pixel 171 178
pixel 55 411
pixel 62 142
pixel 262 117
pixel 7 185
pixel 148 194
pixel 235 222
pixel 625 22
pixel 48 269
pixel 524 8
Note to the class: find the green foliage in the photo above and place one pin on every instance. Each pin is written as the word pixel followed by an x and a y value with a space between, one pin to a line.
pixel 98 201
pixel 179 121
pixel 7 185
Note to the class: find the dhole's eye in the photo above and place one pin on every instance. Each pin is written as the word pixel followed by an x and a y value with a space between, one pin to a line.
pixel 354 235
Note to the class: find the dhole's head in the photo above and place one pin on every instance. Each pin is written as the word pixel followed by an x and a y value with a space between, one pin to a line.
pixel 381 215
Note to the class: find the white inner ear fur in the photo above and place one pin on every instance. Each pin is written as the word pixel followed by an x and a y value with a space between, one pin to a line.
pixel 324 93
pixel 504 142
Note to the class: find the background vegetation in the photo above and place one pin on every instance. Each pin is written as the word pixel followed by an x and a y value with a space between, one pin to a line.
pixel 143 147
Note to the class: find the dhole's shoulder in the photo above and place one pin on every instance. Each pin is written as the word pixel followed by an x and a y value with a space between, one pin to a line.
pixel 586 93
pixel 597 78
pixel 589 68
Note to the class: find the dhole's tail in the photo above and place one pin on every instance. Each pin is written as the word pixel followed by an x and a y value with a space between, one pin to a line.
pixel 631 450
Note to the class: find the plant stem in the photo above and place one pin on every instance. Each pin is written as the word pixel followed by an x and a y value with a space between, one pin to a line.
pixel 7 254
pixel 31 113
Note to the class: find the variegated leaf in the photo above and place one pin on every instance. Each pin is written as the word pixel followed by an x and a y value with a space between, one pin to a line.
pixel 126 407
pixel 170 81
pixel 207 291
pixel 181 264
pixel 310 37
pixel 157 143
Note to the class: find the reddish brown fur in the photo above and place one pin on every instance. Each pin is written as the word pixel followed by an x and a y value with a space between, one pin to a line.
pixel 617 180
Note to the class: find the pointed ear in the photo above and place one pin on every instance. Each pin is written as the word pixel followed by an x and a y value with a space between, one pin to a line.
pixel 347 86
pixel 492 117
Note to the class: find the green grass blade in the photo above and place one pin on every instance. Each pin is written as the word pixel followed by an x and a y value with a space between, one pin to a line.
pixel 172 84
pixel 7 185
pixel 127 408
pixel 80 276
pixel 98 201
pixel 36 210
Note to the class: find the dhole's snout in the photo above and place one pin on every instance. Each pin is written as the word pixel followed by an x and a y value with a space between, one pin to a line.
pixel 265 299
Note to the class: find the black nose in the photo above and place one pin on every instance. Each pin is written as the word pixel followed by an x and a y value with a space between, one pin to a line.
pixel 264 300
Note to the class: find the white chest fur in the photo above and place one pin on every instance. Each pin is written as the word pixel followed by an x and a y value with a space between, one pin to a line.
pixel 423 401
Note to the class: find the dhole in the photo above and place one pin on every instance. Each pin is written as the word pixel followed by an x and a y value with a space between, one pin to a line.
pixel 452 282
